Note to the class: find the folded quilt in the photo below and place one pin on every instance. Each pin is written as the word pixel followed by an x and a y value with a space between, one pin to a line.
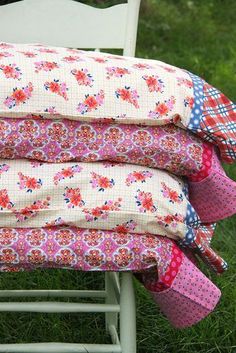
pixel 117 197
pixel 165 147
pixel 89 86
pixel 184 294
pixel 95 195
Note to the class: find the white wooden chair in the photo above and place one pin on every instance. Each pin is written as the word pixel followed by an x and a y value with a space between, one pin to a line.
pixel 71 24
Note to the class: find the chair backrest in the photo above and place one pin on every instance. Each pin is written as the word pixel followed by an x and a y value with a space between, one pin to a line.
pixel 71 24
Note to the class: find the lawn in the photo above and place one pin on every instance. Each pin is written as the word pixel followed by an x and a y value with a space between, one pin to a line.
pixel 200 36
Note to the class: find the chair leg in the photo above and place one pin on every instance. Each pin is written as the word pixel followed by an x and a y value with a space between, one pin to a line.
pixel 111 278
pixel 127 314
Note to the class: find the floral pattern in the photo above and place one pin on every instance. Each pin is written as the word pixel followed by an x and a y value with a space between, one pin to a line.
pixel 154 83
pixel 91 102
pixel 162 108
pixel 135 177
pixel 19 96
pixel 172 195
pixel 73 197
pixel 32 210
pixel 125 90
pixel 46 66
pixel 128 95
pixel 3 168
pixel 105 195
pixel 56 87
pixel 66 173
pixel 116 72
pixel 11 71
pixel 5 200
pixel 102 211
pixel 101 182
pixel 28 183
pixel 145 202
pixel 83 77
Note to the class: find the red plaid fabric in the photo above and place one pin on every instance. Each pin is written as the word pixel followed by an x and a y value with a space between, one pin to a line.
pixel 218 122
pixel 202 247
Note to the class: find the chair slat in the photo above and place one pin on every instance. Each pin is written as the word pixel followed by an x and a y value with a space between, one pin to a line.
pixel 58 307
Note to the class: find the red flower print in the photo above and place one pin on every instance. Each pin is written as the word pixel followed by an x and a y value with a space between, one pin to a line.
pixel 65 257
pixel 195 151
pixel 123 257
pixel 28 128
pixel 8 236
pixel 150 241
pixel 142 138
pixel 31 210
pixel 83 77
pixel 189 101
pixel 57 132
pixel 5 200
pixel 85 134
pixel 93 237
pixel 91 102
pixel 101 182
pixel 66 173
pixel 145 202
pixel 184 82
pixel 71 59
pixel 29 183
pixel 94 257
pixel 172 195
pixel 19 95
pixel 170 220
pixel 5 54
pixel 73 197
pixel 140 176
pixel 64 237
pixel 128 95
pixel 28 54
pixel 45 66
pixel 116 72
pixel 142 66
pixel 154 83
pixel 36 237
pixel 8 255
pixel 162 108
pixel 126 227
pixel 102 211
pixel 170 144
pixel 99 60
pixel 114 135
pixel 56 87
pixel 36 256
pixel 11 71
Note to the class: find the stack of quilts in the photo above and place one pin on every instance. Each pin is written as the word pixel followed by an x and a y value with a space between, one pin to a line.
pixel 112 163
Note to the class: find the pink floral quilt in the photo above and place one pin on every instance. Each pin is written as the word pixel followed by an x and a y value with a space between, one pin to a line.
pixel 170 276
pixel 165 147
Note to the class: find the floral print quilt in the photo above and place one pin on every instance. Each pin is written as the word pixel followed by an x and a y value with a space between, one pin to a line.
pixel 89 86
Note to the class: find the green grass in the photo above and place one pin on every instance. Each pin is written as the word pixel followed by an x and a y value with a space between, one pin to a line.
pixel 199 36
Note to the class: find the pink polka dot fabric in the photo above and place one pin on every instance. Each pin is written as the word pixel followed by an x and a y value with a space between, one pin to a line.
pixel 214 197
pixel 191 297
